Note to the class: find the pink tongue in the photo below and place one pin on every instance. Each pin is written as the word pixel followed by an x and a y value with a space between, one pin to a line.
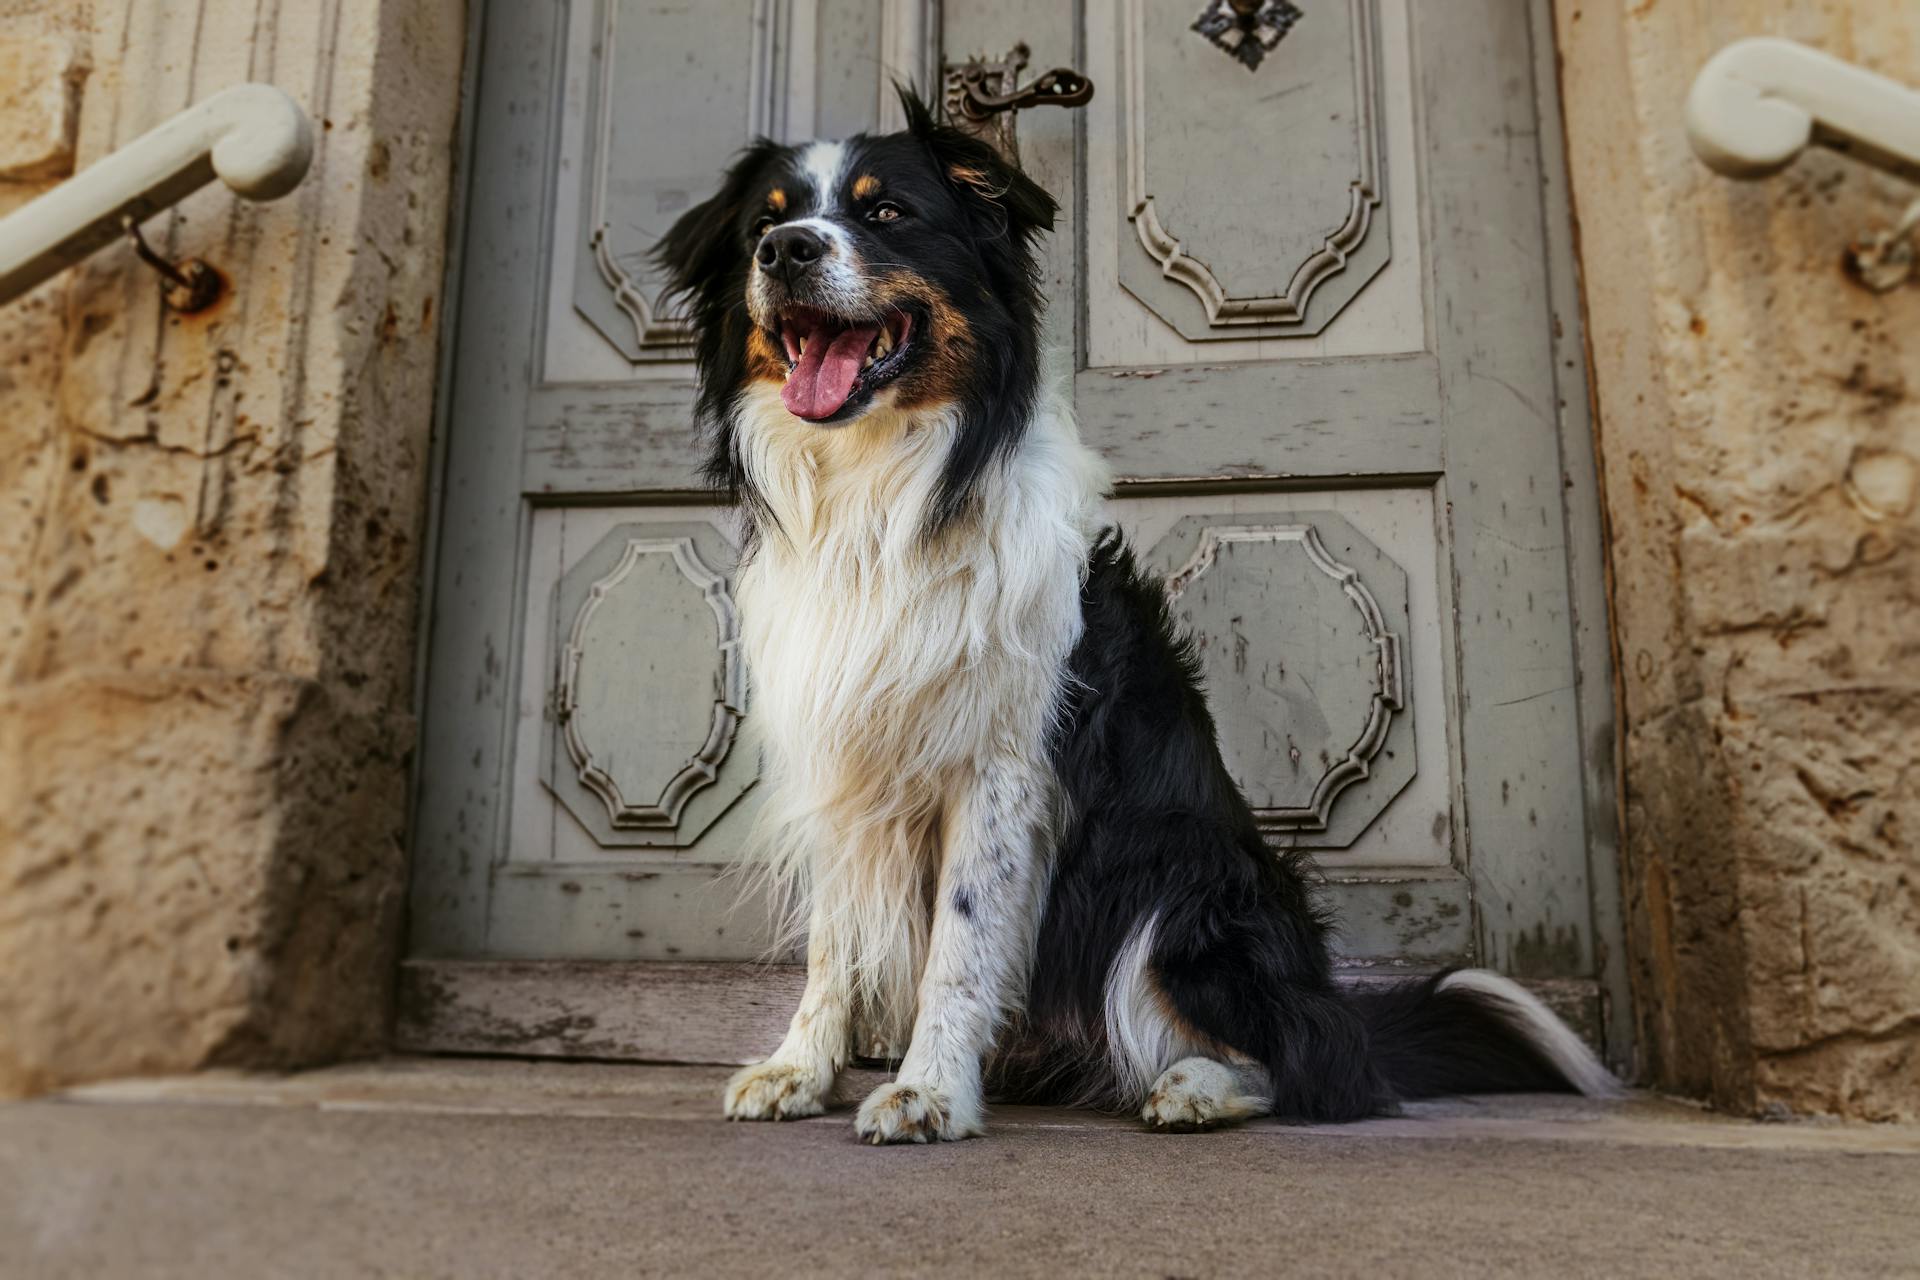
pixel 823 379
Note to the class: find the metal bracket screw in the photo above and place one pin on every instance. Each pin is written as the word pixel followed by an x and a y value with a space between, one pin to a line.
pixel 1881 261
pixel 192 286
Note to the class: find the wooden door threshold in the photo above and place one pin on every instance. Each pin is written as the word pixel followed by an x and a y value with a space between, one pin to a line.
pixel 655 1011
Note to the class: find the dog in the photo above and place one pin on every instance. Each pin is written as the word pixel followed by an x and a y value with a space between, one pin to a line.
pixel 995 785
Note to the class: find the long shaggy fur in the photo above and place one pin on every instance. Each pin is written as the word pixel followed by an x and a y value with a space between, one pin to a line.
pixel 995 787
pixel 883 659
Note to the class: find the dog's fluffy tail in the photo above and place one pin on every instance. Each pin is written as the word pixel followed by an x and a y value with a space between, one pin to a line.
pixel 1470 1031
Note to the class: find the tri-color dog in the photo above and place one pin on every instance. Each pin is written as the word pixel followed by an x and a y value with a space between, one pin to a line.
pixel 995 785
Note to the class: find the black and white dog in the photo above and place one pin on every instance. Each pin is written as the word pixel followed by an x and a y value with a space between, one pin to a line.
pixel 995 782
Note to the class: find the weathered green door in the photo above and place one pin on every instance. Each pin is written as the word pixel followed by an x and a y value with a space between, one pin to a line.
pixel 1312 281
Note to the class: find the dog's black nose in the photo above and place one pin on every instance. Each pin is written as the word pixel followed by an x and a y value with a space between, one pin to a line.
pixel 789 251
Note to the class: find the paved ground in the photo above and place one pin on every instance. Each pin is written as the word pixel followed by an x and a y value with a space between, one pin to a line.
pixel 469 1168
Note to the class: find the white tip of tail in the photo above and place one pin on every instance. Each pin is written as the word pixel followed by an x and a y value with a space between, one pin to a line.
pixel 1556 1039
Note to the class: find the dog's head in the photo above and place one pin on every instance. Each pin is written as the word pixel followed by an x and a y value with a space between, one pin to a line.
pixel 894 271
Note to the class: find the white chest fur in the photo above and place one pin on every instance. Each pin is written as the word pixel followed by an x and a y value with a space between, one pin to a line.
pixel 872 646
pixel 887 665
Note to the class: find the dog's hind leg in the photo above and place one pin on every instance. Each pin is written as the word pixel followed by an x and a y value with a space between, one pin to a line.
pixel 1235 982
pixel 1196 1094
pixel 796 1080
pixel 1190 1084
pixel 1255 982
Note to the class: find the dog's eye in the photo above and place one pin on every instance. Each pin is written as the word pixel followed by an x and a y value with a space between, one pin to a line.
pixel 886 211
pixel 761 227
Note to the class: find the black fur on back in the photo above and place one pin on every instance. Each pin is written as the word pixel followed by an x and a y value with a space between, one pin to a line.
pixel 1157 829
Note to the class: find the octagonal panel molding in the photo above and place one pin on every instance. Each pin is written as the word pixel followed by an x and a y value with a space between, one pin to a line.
pixel 651 689
pixel 1254 201
pixel 1300 625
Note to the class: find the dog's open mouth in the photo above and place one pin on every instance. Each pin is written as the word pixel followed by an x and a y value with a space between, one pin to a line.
pixel 834 362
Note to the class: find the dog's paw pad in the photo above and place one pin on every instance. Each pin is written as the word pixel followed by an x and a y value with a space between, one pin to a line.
pixel 900 1112
pixel 776 1091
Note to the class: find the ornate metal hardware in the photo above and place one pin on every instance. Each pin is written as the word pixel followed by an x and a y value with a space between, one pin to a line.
pixel 1060 87
pixel 1247 29
pixel 982 93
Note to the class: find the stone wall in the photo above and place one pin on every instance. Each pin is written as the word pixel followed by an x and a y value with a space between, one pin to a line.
pixel 211 547
pixel 1759 434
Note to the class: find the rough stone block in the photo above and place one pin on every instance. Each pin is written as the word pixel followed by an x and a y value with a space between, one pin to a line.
pixel 1758 433
pixel 195 869
pixel 39 107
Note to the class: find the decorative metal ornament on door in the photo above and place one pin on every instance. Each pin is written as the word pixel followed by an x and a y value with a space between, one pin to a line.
pixel 981 95
pixel 1247 29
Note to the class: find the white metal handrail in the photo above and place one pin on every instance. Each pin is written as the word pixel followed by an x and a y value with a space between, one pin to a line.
pixel 253 137
pixel 1758 103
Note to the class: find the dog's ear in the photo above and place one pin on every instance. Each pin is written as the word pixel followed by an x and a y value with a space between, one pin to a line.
pixel 705 247
pixel 706 258
pixel 979 174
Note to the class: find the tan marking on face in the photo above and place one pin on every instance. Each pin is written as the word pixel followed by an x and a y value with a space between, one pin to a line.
pixel 777 199
pixel 765 360
pixel 944 339
pixel 865 186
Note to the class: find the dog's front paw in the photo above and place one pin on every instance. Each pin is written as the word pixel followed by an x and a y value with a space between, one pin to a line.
pixel 901 1112
pixel 776 1091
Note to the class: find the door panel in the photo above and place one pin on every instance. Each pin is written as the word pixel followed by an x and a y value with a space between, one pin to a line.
pixel 1254 230
pixel 1309 309
pixel 1255 633
pixel 672 86
pixel 653 133
pixel 647 608
pixel 1303 661
pixel 1385 316
pixel 660 703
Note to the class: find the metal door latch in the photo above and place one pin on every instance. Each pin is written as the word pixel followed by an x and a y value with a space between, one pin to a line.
pixel 982 93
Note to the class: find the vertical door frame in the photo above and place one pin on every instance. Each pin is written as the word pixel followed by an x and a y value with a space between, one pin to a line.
pixel 1587 569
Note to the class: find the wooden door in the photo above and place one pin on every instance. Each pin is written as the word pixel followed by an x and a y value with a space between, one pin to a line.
pixel 1321 322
